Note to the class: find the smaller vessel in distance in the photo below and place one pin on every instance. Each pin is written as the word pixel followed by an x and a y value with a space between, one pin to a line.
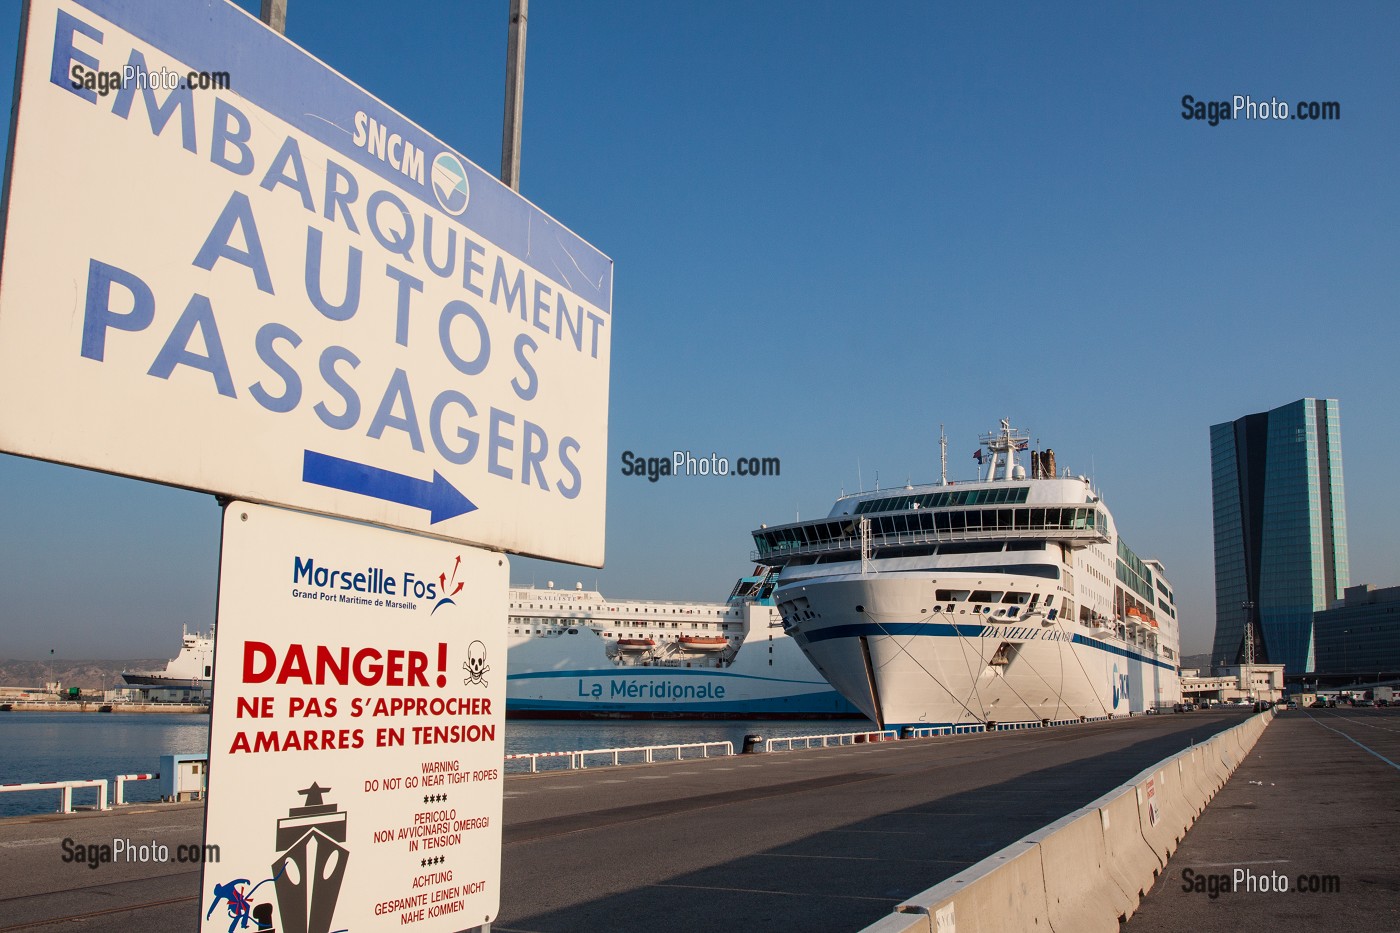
pixel 578 654
pixel 191 669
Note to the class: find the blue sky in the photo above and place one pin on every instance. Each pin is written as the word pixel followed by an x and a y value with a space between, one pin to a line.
pixel 834 231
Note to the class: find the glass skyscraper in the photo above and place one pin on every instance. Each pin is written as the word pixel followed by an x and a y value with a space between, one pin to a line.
pixel 1280 530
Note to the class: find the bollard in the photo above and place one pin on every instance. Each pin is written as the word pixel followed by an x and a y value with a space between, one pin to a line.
pixel 752 743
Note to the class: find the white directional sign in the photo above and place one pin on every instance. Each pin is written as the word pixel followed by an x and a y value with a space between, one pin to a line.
pixel 228 268
pixel 357 732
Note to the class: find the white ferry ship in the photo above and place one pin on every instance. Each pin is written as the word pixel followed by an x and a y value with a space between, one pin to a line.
pixel 1001 600
pixel 191 669
pixel 577 654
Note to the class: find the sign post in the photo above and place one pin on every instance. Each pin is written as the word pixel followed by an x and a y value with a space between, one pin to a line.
pixel 227 268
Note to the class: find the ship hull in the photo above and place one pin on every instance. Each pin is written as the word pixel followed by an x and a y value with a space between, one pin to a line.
pixel 165 683
pixel 571 676
pixel 877 639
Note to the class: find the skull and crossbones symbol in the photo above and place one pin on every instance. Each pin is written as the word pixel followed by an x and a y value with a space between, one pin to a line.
pixel 475 665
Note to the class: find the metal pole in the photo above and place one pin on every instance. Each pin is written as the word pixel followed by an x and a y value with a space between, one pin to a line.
pixel 515 95
pixel 274 14
pixel 943 456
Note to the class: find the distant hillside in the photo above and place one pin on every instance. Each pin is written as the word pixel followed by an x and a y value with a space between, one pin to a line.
pixel 1200 662
pixel 89 675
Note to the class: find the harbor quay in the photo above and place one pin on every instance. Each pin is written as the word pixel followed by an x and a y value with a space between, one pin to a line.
pixel 815 839
pixel 1302 837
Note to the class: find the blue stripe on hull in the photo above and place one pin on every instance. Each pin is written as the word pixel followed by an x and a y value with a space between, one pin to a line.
pixel 1122 652
pixel 945 630
pixel 821 704
pixel 857 629
pixel 667 672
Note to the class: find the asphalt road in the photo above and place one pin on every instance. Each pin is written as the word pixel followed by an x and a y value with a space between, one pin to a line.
pixel 827 839
pixel 37 885
pixel 1316 808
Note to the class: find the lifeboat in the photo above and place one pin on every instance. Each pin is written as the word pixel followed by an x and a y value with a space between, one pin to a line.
pixel 636 644
pixel 703 642
pixel 1136 616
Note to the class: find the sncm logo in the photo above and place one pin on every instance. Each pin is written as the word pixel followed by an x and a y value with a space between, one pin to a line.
pixel 450 183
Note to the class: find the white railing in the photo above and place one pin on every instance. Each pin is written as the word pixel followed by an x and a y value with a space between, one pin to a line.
pixel 642 753
pixel 65 791
pixel 1046 723
pixel 924 732
pixel 645 754
pixel 119 792
pixel 789 742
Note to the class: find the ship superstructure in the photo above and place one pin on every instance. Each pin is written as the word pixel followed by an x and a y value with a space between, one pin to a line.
pixel 1011 598
pixel 191 669
pixel 577 653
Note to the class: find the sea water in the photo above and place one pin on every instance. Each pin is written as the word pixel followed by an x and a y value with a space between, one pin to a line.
pixel 90 746
pixel 87 746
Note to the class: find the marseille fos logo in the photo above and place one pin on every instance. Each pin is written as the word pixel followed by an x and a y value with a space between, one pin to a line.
pixel 444 582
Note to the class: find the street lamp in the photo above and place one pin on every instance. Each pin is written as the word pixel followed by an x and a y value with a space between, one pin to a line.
pixel 1248 666
pixel 1345 632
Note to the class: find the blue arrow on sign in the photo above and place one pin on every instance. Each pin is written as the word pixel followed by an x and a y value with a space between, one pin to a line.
pixel 438 496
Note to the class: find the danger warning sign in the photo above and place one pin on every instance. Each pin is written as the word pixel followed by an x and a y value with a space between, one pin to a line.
pixel 358 728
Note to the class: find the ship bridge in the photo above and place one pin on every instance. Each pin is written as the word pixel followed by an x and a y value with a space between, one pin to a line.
pixel 902 525
pixel 1001 511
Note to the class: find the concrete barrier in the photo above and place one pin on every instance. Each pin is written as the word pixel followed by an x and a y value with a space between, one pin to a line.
pixel 903 923
pixel 1199 782
pixel 1179 811
pixel 1091 868
pixel 1132 862
pixel 1227 755
pixel 1236 738
pixel 1191 793
pixel 1074 857
pixel 1205 771
pixel 1254 728
pixel 1005 891
pixel 1163 812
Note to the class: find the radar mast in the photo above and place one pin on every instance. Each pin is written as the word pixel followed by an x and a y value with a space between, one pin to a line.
pixel 1004 444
